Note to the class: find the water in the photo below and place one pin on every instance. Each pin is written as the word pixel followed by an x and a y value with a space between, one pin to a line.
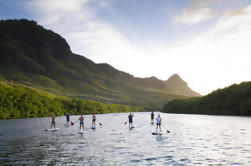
pixel 194 140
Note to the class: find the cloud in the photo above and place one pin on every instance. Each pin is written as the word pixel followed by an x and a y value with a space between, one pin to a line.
pixel 103 44
pixel 194 16
pixel 59 5
pixel 234 13
pixel 198 4
pixel 197 11
pixel 58 11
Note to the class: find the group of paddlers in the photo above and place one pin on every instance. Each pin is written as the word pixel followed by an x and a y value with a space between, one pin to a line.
pixel 80 119
pixel 130 120
pixel 158 121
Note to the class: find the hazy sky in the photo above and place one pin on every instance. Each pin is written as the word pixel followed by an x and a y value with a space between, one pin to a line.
pixel 206 42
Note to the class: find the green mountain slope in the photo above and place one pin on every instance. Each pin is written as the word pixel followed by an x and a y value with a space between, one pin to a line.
pixel 18 101
pixel 233 100
pixel 40 58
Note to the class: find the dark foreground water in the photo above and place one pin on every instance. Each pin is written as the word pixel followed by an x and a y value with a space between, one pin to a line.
pixel 194 140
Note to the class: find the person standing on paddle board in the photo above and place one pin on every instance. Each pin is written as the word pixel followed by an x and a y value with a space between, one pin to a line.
pixel 158 123
pixel 81 122
pixel 53 122
pixel 93 120
pixel 130 116
pixel 67 119
pixel 152 117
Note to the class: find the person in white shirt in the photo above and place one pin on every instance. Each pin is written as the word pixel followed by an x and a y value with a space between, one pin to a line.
pixel 158 123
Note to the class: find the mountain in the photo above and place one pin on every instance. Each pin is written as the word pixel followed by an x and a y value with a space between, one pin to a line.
pixel 34 56
pixel 176 85
pixel 232 100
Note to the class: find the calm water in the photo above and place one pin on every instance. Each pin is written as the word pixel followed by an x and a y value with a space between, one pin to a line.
pixel 194 140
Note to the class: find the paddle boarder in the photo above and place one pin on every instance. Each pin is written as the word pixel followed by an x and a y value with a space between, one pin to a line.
pixel 81 122
pixel 152 117
pixel 130 116
pixel 53 122
pixel 93 120
pixel 67 119
pixel 158 123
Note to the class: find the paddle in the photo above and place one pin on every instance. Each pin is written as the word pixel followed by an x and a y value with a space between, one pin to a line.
pixel 166 129
pixel 99 123
pixel 72 123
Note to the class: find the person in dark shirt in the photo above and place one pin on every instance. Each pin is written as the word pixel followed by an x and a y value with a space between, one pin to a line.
pixel 93 120
pixel 152 117
pixel 130 116
pixel 67 119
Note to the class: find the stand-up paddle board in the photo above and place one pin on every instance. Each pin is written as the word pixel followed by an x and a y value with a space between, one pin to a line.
pixel 81 132
pixel 52 129
pixel 131 127
pixel 156 133
pixel 66 125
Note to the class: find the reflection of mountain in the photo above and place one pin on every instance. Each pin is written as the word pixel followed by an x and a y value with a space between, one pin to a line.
pixel 37 57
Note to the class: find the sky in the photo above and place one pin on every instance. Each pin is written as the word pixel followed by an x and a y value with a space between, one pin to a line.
pixel 206 42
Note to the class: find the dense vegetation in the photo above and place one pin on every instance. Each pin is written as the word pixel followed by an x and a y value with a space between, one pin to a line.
pixel 42 59
pixel 18 101
pixel 233 100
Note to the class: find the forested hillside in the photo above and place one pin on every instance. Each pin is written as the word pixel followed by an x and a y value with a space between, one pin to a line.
pixel 233 100
pixel 18 101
